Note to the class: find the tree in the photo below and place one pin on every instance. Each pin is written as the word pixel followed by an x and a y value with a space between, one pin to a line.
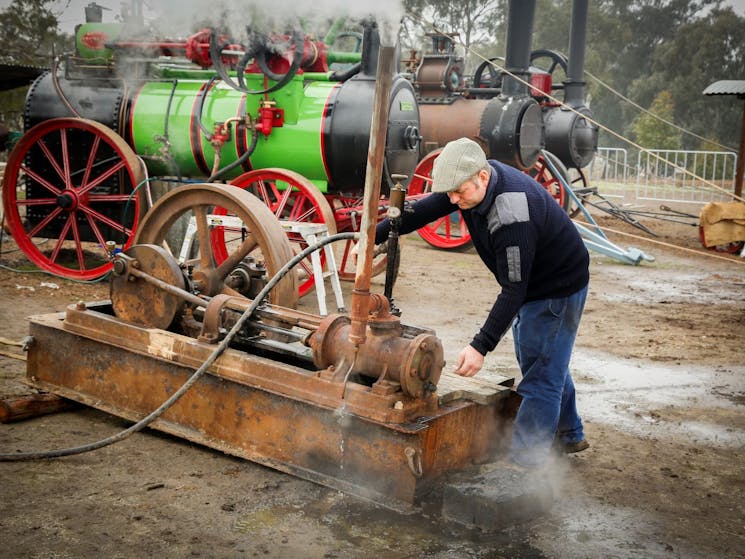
pixel 29 28
pixel 703 51
pixel 473 20
pixel 653 134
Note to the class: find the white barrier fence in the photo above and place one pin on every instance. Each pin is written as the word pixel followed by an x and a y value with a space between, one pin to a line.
pixel 664 175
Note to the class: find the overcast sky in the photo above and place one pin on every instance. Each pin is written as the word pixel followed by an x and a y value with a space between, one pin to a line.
pixel 71 12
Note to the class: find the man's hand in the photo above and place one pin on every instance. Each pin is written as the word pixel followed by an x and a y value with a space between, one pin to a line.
pixel 469 362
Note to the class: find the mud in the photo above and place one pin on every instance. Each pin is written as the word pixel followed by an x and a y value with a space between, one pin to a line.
pixel 660 377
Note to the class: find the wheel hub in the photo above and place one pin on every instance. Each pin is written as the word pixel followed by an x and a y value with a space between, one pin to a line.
pixel 68 201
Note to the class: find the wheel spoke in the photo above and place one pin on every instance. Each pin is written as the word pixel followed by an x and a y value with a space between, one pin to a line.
pixel 435 225
pixel 115 198
pixel 42 181
pixel 65 157
pixel 102 177
pixel 96 230
pixel 234 258
pixel 345 256
pixel 78 242
pixel 203 234
pixel 107 220
pixel 44 222
pixel 264 194
pixel 61 239
pixel 282 201
pixel 48 154
pixel 91 159
pixel 36 202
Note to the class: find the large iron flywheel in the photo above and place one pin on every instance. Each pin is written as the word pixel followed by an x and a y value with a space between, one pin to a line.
pixel 199 210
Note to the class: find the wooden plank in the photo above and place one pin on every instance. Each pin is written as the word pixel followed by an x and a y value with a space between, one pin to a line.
pixel 32 405
pixel 482 391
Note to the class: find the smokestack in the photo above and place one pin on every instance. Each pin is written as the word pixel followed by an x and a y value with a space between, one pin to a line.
pixel 574 85
pixel 370 48
pixel 519 40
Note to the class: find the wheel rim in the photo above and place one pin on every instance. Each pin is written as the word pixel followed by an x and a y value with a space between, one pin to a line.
pixel 449 232
pixel 486 75
pixel 72 181
pixel 578 183
pixel 542 173
pixel 264 239
pixel 730 248
pixel 302 202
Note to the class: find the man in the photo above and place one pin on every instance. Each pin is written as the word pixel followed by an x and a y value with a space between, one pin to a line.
pixel 539 260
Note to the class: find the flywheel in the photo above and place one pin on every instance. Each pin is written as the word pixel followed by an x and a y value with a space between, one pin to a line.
pixel 184 221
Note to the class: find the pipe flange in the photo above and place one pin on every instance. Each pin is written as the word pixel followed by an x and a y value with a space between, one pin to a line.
pixel 422 366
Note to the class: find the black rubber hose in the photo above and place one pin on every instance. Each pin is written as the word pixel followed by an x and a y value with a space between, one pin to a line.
pixel 202 98
pixel 241 160
pixel 168 109
pixel 282 79
pixel 344 75
pixel 147 420
pixel 216 59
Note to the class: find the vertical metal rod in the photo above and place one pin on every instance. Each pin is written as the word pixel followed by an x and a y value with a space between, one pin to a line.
pixel 395 214
pixel 360 303
pixel 740 157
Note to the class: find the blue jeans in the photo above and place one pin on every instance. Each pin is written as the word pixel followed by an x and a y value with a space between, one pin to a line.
pixel 544 333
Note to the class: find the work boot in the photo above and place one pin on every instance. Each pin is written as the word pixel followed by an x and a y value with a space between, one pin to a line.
pixel 579 446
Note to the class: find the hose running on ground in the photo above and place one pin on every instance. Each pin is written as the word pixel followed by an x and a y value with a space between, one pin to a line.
pixel 147 420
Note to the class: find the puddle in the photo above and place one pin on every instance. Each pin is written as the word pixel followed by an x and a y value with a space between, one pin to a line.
pixel 664 286
pixel 634 396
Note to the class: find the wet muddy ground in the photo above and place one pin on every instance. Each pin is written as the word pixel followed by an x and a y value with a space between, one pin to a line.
pixel 660 373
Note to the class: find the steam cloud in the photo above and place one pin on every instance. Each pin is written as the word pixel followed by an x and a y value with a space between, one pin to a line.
pixel 183 17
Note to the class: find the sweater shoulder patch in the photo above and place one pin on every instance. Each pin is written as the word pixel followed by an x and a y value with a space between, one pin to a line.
pixel 508 208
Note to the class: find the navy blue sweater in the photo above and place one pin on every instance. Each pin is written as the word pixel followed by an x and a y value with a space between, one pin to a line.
pixel 522 235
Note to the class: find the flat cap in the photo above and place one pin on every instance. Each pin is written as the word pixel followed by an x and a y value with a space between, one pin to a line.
pixel 459 161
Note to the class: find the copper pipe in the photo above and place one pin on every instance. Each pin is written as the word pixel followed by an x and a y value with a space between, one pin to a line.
pixel 373 177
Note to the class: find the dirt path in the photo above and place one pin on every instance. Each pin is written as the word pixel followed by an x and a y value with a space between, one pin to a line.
pixel 660 375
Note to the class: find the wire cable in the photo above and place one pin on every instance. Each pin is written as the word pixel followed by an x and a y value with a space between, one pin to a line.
pixel 650 113
pixel 148 419
pixel 704 181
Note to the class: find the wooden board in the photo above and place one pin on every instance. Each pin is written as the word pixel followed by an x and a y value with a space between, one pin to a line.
pixel 483 391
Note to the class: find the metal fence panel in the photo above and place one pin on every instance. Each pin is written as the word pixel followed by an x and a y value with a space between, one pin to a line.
pixel 665 175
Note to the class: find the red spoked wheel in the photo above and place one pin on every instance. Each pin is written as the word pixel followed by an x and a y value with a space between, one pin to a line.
pixel 348 212
pixel 291 198
pixel 730 248
pixel 70 186
pixel 541 172
pixel 450 232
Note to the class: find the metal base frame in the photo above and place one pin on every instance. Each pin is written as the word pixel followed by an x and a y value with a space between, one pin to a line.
pixel 385 448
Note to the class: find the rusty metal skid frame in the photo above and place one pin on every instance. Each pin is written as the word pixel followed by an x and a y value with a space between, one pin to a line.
pixel 384 447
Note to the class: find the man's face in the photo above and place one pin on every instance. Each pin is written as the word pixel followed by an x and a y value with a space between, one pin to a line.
pixel 470 194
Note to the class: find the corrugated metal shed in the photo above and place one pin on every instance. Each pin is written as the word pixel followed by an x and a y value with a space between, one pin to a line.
pixel 726 87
